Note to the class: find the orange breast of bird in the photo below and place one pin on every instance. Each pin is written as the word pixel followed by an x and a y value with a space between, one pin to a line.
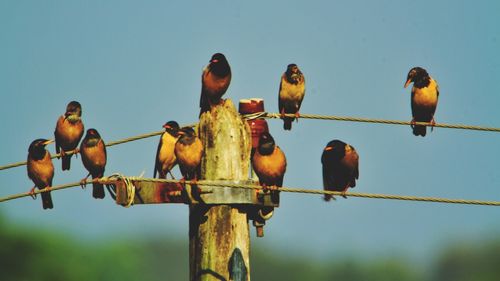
pixel 189 155
pixel 67 133
pixel 215 85
pixel 291 92
pixel 271 166
pixel 426 96
pixel 41 171
pixel 94 157
pixel 166 155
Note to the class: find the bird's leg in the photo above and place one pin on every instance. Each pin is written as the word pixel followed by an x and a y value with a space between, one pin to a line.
pixel 76 151
pixel 32 193
pixel 83 182
pixel 344 192
pixel 182 182
pixel 297 116
pixel 433 123
pixel 172 175
pixel 412 123
pixel 282 113
pixel 63 153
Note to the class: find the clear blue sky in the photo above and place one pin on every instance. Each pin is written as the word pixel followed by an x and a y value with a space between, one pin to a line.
pixel 135 65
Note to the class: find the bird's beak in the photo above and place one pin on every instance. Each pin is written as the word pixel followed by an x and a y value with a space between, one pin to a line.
pixel 167 127
pixel 407 83
pixel 328 148
pixel 215 61
pixel 47 142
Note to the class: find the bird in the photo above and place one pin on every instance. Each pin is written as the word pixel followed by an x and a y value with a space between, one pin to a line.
pixel 165 155
pixel 291 93
pixel 93 151
pixel 340 167
pixel 215 80
pixel 269 162
pixel 41 170
pixel 189 151
pixel 424 99
pixel 69 132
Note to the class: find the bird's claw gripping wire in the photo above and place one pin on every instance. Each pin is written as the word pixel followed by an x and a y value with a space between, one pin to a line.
pixel 32 193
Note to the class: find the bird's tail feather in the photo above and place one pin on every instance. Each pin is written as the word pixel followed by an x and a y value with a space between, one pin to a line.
pixel 287 123
pixel 47 200
pixel 419 130
pixel 66 162
pixel 97 190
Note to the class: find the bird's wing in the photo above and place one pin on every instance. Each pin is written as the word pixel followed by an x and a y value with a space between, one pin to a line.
pixel 157 155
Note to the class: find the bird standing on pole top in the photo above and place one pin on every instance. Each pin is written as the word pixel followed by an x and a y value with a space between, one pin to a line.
pixel 93 151
pixel 291 93
pixel 215 80
pixel 41 170
pixel 165 155
pixel 69 132
pixel 189 151
pixel 340 167
pixel 424 98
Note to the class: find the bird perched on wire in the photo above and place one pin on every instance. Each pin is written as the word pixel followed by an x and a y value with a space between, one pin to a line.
pixel 215 80
pixel 93 151
pixel 291 93
pixel 189 151
pixel 69 132
pixel 41 170
pixel 269 162
pixel 424 98
pixel 340 167
pixel 165 155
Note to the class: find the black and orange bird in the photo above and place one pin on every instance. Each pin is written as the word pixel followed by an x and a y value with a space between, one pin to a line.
pixel 269 162
pixel 340 167
pixel 291 93
pixel 189 151
pixel 424 98
pixel 69 132
pixel 165 155
pixel 93 151
pixel 41 169
pixel 215 80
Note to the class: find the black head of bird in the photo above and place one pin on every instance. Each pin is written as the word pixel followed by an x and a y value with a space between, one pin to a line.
pixel 418 76
pixel 73 111
pixel 219 65
pixel 187 135
pixel 293 73
pixel 172 127
pixel 335 149
pixel 92 137
pixel 266 144
pixel 37 148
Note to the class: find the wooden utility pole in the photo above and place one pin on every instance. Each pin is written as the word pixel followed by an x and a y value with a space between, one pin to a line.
pixel 219 240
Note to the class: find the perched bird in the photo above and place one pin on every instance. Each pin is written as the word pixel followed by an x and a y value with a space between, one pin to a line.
pixel 215 80
pixel 189 151
pixel 93 151
pixel 340 167
pixel 69 132
pixel 165 155
pixel 41 169
pixel 291 94
pixel 424 98
pixel 269 162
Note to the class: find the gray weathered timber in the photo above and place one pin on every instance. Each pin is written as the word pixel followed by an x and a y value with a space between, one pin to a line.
pixel 218 232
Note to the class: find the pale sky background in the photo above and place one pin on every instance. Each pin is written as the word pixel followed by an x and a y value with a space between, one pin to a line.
pixel 133 65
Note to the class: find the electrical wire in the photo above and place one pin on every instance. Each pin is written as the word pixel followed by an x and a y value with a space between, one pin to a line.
pixel 111 179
